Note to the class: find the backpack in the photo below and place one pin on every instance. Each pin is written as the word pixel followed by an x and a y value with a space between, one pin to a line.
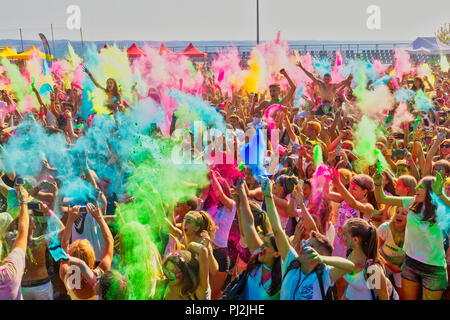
pixel 236 289
pixel 295 264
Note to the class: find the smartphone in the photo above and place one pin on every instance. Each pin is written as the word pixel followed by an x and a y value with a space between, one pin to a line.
pixel 20 182
pixel 399 152
pixel 57 253
pixel 83 209
pixel 34 206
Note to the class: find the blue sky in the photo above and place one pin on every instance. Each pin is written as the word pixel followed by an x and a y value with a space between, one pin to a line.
pixel 164 20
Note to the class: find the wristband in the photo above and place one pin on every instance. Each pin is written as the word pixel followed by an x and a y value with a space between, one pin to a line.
pixel 411 161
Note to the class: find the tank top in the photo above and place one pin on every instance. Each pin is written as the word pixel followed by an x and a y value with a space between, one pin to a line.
pixel 357 287
pixel 344 213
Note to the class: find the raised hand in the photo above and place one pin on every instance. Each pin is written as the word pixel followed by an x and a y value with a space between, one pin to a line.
pixel 377 179
pixel 438 184
pixel 335 176
pixel 267 187
pixel 312 254
pixel 206 240
pixel 74 212
pixel 94 211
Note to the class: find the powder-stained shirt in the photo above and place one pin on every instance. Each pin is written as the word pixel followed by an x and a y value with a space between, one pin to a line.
pixel 11 272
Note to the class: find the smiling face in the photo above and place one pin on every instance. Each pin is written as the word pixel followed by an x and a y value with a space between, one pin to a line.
pixel 109 85
pixel 445 147
pixel 327 79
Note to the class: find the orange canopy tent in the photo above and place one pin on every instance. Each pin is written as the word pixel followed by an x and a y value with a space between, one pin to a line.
pixel 163 49
pixel 134 51
pixel 8 53
pixel 193 52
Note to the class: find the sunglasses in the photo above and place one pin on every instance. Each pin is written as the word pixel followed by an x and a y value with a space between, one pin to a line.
pixel 445 145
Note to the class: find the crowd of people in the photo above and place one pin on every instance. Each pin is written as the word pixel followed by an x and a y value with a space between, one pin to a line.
pixel 336 188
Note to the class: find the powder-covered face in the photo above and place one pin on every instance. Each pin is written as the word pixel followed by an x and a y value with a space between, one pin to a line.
pixel 274 92
pixel 267 252
pixel 402 170
pixel 190 225
pixel 401 189
pixel 356 191
pixel 421 193
pixel 445 147
pixel 109 85
pixel 173 273
pixel 400 217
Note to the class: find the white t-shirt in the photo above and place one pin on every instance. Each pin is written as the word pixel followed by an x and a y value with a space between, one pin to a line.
pixel 305 287
pixel 85 227
pixel 11 273
pixel 390 249
pixel 424 241
pixel 255 289
pixel 223 220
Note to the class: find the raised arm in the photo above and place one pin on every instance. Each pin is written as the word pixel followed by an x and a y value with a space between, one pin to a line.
pixel 227 202
pixel 23 221
pixel 309 74
pixel 365 208
pixel 108 250
pixel 307 218
pixel 430 155
pixel 380 195
pixel 280 236
pixel 292 88
pixel 73 214
pixel 203 262
pixel 252 239
pixel 93 79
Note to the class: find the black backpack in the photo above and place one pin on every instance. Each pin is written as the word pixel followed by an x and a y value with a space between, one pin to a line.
pixel 236 289
pixel 329 295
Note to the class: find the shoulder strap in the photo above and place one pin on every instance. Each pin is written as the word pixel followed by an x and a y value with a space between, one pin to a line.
pixel 319 273
pixel 295 264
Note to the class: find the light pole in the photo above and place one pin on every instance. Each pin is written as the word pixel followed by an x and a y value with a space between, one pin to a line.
pixel 257 21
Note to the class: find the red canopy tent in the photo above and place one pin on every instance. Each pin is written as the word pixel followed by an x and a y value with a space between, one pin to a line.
pixel 193 52
pixel 163 49
pixel 104 47
pixel 134 51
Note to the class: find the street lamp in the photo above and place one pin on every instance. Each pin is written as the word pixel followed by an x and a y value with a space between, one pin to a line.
pixel 257 21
